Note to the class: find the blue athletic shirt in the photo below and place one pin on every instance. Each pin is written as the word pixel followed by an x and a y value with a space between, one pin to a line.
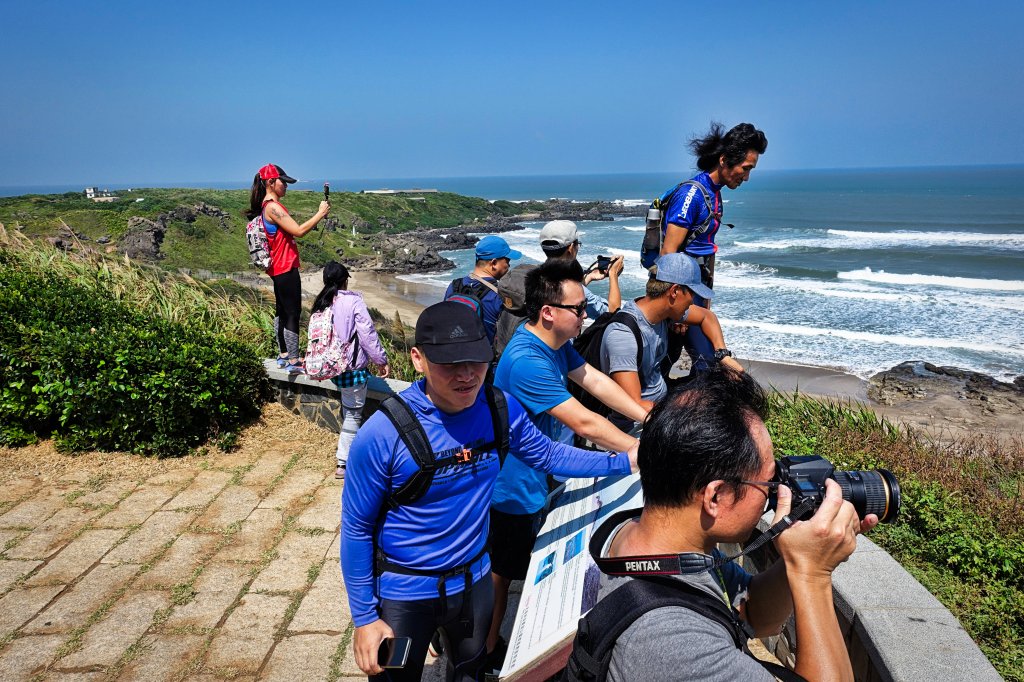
pixel 490 302
pixel 447 526
pixel 535 375
pixel 687 208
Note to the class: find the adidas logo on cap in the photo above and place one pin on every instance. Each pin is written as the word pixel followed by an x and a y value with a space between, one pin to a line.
pixel 457 333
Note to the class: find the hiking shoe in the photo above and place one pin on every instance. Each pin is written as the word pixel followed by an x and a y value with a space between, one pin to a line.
pixel 282 362
pixel 435 648
pixel 339 473
pixel 296 368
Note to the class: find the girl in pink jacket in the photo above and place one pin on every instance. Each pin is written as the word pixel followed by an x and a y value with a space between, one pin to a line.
pixel 351 318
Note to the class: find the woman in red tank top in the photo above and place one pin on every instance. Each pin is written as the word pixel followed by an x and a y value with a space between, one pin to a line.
pixel 268 187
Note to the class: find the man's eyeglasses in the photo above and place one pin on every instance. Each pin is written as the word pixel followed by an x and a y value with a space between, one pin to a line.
pixel 577 309
pixel 773 488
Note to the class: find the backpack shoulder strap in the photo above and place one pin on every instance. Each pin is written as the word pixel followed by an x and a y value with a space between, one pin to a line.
pixel 600 629
pixel 484 282
pixel 415 439
pixel 498 406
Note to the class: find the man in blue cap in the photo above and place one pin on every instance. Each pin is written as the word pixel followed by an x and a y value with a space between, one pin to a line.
pixel 672 290
pixel 479 289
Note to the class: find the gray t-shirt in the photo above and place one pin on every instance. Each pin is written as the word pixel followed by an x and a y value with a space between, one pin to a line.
pixel 675 643
pixel 618 354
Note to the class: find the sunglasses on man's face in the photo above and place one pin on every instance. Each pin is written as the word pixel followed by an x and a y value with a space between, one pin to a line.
pixel 577 309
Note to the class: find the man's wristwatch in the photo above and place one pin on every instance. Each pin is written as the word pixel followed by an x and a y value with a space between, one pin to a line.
pixel 722 353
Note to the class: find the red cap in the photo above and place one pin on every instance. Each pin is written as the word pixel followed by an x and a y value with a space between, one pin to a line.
pixel 270 171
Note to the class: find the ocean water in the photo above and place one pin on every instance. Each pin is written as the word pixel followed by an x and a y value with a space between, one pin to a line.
pixel 855 270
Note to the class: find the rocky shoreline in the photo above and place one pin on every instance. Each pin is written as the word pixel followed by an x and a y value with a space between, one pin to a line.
pixel 419 251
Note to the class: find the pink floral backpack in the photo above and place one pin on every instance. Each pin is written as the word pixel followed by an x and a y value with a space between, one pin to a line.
pixel 326 355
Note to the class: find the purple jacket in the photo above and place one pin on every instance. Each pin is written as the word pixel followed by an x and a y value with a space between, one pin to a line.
pixel 350 314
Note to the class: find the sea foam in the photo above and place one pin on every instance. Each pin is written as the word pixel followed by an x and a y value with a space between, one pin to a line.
pixel 868 275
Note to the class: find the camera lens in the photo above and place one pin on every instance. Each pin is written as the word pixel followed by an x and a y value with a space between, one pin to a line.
pixel 871 492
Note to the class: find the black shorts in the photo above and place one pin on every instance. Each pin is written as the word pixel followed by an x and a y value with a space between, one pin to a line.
pixel 511 542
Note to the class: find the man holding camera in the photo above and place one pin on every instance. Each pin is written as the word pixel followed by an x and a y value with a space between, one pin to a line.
pixel 706 468
pixel 673 285
pixel 414 517
pixel 560 241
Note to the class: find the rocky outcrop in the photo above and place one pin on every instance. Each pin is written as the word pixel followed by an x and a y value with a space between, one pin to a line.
pixel 918 381
pixel 405 253
pixel 143 238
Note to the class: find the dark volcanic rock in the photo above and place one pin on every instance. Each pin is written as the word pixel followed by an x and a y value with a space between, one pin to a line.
pixel 911 381
pixel 407 253
pixel 143 238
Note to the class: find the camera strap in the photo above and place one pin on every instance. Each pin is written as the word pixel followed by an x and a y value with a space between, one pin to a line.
pixel 685 563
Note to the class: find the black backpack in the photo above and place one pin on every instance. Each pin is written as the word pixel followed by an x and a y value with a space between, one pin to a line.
pixel 601 627
pixel 471 294
pixel 654 235
pixel 415 439
pixel 588 345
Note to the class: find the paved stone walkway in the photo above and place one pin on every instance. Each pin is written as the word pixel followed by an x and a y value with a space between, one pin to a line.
pixel 222 571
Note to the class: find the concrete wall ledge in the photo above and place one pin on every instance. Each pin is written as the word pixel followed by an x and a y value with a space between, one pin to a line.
pixel 894 628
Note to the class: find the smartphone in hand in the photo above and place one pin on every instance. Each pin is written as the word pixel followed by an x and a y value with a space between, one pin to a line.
pixel 394 652
pixel 327 191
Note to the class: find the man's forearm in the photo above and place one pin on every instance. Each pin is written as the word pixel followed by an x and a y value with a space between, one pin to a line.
pixel 824 655
pixel 604 434
pixel 770 604
pixel 611 394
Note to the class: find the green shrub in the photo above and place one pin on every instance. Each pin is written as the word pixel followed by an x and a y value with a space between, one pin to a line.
pixel 959 532
pixel 95 373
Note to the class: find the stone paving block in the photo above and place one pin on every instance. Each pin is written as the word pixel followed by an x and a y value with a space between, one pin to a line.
pixel 289 492
pixel 256 536
pixel 6 536
pixel 234 504
pixel 18 606
pixel 34 510
pixel 216 589
pixel 296 553
pixel 52 534
pixel 107 640
pixel 248 634
pixel 310 654
pixel 11 570
pixel 162 656
pixel 202 490
pixel 109 493
pixel 232 460
pixel 58 676
pixel 77 556
pixel 266 468
pixel 325 606
pixel 144 543
pixel 72 608
pixel 324 511
pixel 187 553
pixel 136 508
pixel 13 491
pixel 176 478
pixel 28 656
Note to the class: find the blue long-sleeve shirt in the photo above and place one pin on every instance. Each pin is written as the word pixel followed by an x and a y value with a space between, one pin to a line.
pixel 448 525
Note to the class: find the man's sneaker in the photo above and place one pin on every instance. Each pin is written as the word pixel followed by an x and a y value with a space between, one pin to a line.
pixel 435 648
pixel 340 471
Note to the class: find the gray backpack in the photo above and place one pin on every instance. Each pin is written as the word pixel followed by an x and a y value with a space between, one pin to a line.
pixel 512 289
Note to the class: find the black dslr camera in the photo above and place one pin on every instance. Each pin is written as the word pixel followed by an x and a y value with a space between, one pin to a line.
pixel 870 492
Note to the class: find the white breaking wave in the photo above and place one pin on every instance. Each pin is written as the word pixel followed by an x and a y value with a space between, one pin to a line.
pixel 853 239
pixel 871 337
pixel 883 277
pixel 634 229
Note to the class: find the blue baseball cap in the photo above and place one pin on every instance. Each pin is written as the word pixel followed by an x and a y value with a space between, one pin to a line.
pixel 491 247
pixel 679 268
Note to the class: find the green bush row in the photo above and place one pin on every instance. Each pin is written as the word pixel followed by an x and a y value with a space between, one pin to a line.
pixel 949 539
pixel 94 373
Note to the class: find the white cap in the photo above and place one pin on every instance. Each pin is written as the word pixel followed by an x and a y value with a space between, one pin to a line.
pixel 557 234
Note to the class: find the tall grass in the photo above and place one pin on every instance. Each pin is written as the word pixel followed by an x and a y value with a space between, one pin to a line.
pixel 173 297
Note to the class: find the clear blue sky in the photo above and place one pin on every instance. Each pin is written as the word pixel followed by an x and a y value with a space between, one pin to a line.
pixel 119 92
